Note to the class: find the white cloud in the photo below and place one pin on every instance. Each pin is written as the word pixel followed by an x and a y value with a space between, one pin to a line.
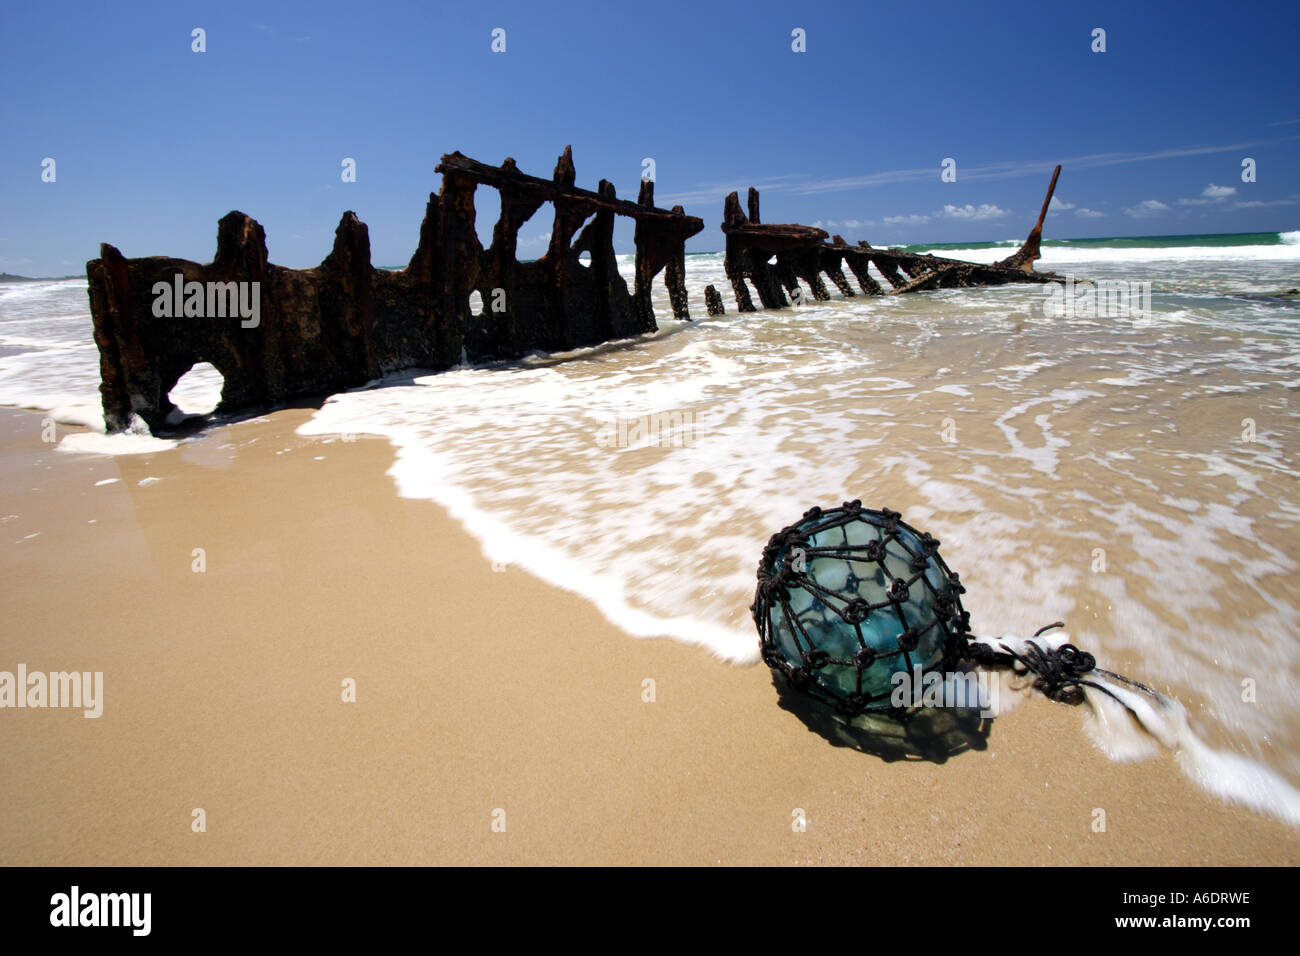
pixel 1021 167
pixel 1260 203
pixel 717 191
pixel 1087 213
pixel 966 213
pixel 1209 194
pixel 804 184
pixel 842 223
pixel 1148 207
pixel 541 239
pixel 974 213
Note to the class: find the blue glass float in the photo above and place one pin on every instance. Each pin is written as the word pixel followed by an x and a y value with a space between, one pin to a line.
pixel 848 597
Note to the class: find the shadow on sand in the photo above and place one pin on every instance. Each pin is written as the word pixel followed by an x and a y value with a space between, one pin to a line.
pixel 921 733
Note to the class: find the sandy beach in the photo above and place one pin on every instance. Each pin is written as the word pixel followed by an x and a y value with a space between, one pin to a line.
pixel 477 691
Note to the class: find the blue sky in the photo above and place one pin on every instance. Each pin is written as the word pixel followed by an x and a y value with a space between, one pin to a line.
pixel 153 142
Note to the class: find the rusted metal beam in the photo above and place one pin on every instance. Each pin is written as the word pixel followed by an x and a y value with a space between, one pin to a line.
pixel 1029 253
pixel 548 190
pixel 713 301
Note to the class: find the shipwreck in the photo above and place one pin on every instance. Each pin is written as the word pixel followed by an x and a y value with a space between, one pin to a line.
pixel 774 258
pixel 310 332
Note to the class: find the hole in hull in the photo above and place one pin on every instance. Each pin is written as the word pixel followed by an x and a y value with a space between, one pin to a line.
pixel 196 393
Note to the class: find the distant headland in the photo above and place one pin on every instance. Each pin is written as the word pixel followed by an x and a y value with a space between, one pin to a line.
pixel 6 277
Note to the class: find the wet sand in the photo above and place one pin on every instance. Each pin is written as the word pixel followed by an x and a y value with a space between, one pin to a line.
pixel 477 691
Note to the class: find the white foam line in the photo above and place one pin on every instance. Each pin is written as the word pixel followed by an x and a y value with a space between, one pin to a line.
pixel 420 475
pixel 1053 255
pixel 1228 776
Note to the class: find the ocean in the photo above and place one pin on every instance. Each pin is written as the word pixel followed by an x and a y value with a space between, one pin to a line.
pixel 1131 472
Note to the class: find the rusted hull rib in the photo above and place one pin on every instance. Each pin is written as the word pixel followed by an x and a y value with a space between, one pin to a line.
pixel 344 322
pixel 772 257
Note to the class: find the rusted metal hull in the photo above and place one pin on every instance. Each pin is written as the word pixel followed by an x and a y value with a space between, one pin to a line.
pixel 344 322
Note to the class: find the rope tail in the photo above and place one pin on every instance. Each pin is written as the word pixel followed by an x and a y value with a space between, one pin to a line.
pixel 1059 672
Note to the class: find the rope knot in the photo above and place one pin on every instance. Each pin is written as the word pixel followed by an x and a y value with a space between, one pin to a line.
pixel 856 611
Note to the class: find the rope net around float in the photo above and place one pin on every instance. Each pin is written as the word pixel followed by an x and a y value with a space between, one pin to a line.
pixel 850 596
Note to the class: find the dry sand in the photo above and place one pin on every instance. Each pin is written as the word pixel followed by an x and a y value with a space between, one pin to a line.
pixel 477 691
